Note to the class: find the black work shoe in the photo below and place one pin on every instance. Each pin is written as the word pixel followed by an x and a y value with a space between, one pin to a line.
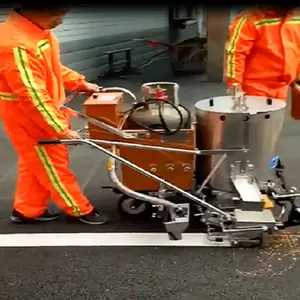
pixel 47 216
pixel 93 218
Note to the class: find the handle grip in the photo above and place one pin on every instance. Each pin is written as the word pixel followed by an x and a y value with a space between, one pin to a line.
pixel 49 142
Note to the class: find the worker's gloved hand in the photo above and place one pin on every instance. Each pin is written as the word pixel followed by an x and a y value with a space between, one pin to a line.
pixel 91 87
pixel 72 134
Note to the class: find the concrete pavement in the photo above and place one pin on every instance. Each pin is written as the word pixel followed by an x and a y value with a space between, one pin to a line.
pixel 139 273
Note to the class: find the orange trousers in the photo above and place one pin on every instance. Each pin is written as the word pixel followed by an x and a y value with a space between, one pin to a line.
pixel 43 173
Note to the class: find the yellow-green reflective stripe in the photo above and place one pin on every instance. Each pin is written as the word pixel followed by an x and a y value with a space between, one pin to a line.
pixel 267 22
pixel 42 46
pixel 32 88
pixel 42 43
pixel 8 96
pixel 231 47
pixel 294 20
pixel 54 178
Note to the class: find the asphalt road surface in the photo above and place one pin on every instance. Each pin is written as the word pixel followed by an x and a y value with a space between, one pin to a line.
pixel 143 273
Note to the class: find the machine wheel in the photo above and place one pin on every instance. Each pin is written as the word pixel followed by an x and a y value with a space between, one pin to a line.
pixel 130 208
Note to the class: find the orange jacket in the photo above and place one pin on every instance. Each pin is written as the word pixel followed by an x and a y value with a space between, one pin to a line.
pixel 263 50
pixel 32 78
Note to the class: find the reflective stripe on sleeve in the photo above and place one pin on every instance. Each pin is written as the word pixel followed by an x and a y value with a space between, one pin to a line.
pixel 27 77
pixel 231 48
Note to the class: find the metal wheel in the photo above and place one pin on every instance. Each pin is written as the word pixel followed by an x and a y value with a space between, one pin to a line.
pixel 133 208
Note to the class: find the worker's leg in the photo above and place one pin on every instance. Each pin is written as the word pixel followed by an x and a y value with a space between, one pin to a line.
pixel 51 165
pixel 31 197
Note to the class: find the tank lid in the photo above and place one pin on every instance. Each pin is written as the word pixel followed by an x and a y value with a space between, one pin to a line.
pixel 224 104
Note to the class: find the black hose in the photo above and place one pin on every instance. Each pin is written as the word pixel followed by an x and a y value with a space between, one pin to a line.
pixel 160 103
pixel 189 115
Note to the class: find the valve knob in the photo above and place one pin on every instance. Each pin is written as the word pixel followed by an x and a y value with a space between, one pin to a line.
pixel 159 94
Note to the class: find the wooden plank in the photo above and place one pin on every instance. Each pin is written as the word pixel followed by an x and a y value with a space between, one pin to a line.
pixel 217 32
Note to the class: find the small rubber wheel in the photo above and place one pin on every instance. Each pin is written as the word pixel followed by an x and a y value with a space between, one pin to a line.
pixel 130 208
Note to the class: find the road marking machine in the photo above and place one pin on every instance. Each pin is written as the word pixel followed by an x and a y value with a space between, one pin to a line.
pixel 212 168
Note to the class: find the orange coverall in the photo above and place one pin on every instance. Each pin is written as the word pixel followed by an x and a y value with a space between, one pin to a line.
pixel 32 85
pixel 263 52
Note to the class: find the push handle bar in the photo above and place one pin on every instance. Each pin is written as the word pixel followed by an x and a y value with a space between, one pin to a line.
pixel 49 142
pixel 65 141
pixel 146 173
pixel 93 121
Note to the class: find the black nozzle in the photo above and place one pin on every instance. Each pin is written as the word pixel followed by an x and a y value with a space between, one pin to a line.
pixel 49 142
pixel 211 102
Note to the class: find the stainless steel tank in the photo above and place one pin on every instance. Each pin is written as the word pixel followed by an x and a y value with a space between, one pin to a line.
pixel 220 125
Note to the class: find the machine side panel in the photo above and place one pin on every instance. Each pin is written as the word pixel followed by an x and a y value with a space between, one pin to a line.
pixel 105 107
pixel 177 168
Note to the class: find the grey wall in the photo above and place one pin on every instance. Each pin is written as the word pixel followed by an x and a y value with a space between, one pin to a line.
pixel 87 55
pixel 87 34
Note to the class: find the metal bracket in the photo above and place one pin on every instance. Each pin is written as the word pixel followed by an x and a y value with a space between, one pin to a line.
pixel 242 178
pixel 239 100
pixel 178 223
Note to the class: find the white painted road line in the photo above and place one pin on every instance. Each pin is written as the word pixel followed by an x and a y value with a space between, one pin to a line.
pixel 106 240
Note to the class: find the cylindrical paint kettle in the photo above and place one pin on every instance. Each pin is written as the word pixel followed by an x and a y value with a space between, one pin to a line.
pixel 254 123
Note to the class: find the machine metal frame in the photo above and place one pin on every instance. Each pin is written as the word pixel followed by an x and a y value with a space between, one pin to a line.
pixel 221 225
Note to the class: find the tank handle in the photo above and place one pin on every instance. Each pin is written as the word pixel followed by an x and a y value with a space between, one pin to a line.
pixel 239 100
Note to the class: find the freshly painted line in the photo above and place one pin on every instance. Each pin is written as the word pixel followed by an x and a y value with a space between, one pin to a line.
pixel 105 240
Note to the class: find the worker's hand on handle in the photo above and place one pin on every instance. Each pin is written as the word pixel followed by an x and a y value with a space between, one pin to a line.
pixel 92 87
pixel 69 135
pixel 72 134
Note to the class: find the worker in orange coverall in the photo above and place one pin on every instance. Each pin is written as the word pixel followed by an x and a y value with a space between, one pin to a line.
pixel 263 56
pixel 32 86
pixel 263 51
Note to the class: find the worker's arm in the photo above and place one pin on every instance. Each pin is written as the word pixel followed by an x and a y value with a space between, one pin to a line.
pixel 73 81
pixel 24 73
pixel 242 34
